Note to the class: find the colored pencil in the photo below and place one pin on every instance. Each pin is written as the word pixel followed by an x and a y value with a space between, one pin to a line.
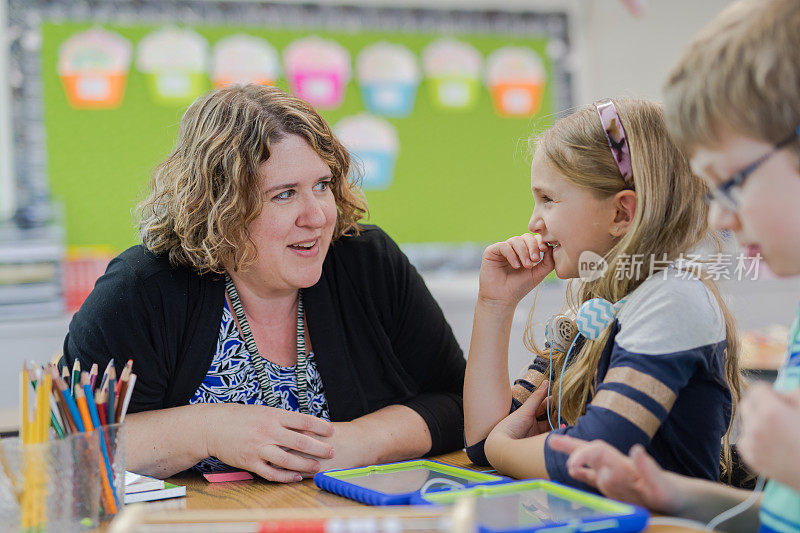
pixel 95 421
pixel 76 376
pixel 124 383
pixel 71 406
pixel 93 375
pixel 58 385
pixel 124 376
pixel 55 419
pixel 83 408
pixel 100 400
pixel 111 404
pixel 127 399
pixel 24 405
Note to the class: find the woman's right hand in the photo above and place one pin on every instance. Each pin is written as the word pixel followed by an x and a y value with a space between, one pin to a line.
pixel 511 269
pixel 259 439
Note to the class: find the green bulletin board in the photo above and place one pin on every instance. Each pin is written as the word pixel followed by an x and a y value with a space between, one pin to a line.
pixel 459 177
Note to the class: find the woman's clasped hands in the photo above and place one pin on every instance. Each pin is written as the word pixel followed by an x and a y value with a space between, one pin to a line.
pixel 276 444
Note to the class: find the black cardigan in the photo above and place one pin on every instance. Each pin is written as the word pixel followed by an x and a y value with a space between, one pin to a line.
pixel 379 337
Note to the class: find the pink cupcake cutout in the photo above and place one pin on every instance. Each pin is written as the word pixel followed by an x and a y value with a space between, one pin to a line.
pixel 318 71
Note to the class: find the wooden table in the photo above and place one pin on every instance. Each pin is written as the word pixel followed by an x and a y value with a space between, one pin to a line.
pixel 257 495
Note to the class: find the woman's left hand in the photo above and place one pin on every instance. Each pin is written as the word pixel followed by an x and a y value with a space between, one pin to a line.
pixel 393 433
pixel 351 445
pixel 526 421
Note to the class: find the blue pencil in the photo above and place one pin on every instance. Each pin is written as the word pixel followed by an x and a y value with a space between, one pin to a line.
pixel 87 389
pixel 73 407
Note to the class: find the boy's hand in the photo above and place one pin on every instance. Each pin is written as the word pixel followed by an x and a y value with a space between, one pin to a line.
pixel 770 438
pixel 635 478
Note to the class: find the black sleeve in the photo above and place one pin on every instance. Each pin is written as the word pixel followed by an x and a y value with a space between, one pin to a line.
pixel 119 320
pixel 477 454
pixel 423 340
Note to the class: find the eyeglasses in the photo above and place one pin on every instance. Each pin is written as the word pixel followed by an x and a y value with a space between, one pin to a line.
pixel 727 193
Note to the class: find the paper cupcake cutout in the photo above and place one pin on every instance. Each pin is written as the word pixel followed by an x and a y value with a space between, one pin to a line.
pixel 453 69
pixel 174 62
pixel 93 66
pixel 318 71
pixel 374 145
pixel 388 75
pixel 244 59
pixel 515 77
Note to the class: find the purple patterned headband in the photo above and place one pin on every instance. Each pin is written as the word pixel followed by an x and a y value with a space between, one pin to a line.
pixel 617 140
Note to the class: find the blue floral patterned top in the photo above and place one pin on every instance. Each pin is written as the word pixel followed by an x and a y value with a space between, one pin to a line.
pixel 232 379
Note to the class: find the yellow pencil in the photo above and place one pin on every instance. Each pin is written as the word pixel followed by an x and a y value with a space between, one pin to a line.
pixel 24 407
pixel 38 437
pixel 48 387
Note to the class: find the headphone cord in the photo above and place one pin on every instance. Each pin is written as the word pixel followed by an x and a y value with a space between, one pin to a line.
pixel 560 381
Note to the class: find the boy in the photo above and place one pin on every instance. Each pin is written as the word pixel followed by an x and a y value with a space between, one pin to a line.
pixel 733 103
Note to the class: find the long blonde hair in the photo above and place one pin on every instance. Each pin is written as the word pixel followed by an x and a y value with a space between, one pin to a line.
pixel 670 219
pixel 207 191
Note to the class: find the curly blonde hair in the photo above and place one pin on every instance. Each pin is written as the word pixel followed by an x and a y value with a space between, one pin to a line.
pixel 206 192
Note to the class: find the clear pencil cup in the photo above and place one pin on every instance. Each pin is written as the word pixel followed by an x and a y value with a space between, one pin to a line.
pixel 111 463
pixel 52 486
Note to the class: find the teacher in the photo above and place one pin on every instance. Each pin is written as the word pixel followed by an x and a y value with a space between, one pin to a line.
pixel 270 331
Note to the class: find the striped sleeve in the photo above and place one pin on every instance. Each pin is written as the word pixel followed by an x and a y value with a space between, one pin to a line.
pixel 522 389
pixel 663 340
pixel 530 380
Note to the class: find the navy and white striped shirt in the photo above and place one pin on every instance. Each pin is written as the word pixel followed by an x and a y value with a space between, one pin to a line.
pixel 660 381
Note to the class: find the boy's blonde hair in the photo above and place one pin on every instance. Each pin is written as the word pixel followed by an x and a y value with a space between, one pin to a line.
pixel 670 219
pixel 740 74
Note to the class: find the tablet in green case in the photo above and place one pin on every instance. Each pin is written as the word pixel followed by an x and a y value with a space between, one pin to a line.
pixel 540 505
pixel 397 483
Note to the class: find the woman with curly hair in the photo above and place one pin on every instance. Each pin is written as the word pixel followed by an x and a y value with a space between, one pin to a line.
pixel 270 331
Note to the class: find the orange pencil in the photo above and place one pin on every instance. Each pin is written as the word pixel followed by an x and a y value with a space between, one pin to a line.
pixel 80 399
pixel 83 409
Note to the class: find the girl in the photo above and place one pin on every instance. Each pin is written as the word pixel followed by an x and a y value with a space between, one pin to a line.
pixel 662 371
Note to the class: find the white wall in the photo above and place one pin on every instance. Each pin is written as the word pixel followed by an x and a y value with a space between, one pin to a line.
pixel 7 179
pixel 626 55
pixel 617 53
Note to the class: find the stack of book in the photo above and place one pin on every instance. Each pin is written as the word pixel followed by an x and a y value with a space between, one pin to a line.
pixel 146 489
pixel 30 272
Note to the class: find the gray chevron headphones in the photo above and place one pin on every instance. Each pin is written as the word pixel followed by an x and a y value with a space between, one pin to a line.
pixel 593 317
